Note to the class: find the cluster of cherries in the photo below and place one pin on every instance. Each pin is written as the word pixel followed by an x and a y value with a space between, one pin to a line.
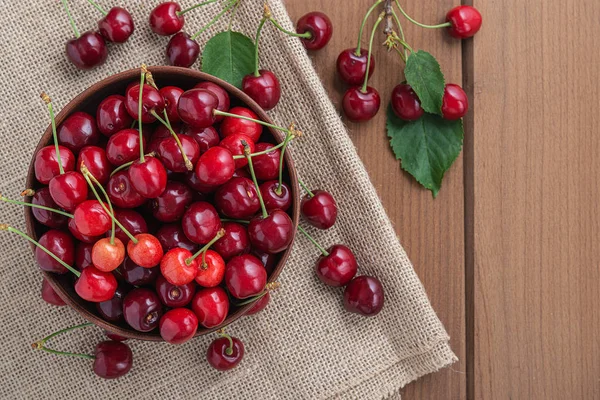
pixel 356 65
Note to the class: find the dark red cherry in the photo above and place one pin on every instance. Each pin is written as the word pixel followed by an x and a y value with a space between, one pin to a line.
pixel 83 255
pixel 234 143
pixel 77 131
pixel 170 155
pixel 96 286
pixel 211 306
pixel 364 295
pixel 201 222
pixel 148 178
pixel 50 219
pixel 361 106
pixel 50 296
pixel 172 235
pixel 171 94
pixel 172 203
pixel 123 147
pixel 161 133
pixel 260 305
pixel 352 67
pixel 196 107
pixel 234 243
pixel 97 163
pixel 178 325
pixel 136 275
pixel 165 20
pixel 223 355
pixel 222 95
pixel 267 259
pixel 91 219
pixel 245 276
pixel 182 50
pixel 266 166
pixel 112 116
pixel 192 180
pixel 320 210
pixel 147 252
pixel 112 359
pixel 68 190
pixel 237 198
pixel 133 221
pixel 264 89
pixel 80 236
pixel 45 164
pixel 406 103
pixel 172 295
pixel 151 101
pixel 215 167
pixel 232 125
pixel 465 22
pixel 320 28
pixel 142 309
pixel 272 234
pixel 87 51
pixel 117 25
pixel 274 197
pixel 121 191
pixel 241 173
pixel 205 137
pixel 338 268
pixel 60 244
pixel 455 103
pixel 112 310
pixel 211 273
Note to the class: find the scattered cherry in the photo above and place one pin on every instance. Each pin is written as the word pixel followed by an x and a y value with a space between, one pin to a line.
pixel 263 88
pixel 211 306
pixel 319 209
pixel 50 296
pixel 142 309
pixel 112 359
pixel 182 50
pixel 178 325
pixel 455 103
pixel 364 295
pixel 165 19
pixel 112 115
pixel 77 131
pixel 320 28
pixel 225 353
pixel 338 267
pixel 174 295
pixel 117 26
pixel 87 51
pixel 465 22
pixel 245 276
pixel 361 106
pixel 352 67
pixel 406 103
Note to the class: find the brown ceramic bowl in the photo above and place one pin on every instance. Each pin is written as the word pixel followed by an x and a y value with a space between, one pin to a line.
pixel 88 101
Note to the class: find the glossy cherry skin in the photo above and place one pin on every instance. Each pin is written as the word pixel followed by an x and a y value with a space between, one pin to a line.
pixel 272 234
pixel 121 192
pixel 211 273
pixel 201 222
pixel 123 147
pixel 264 89
pixel 142 309
pixel 173 295
pixel 112 310
pixel 172 203
pixel 266 166
pixel 274 200
pixel 235 242
pixel 222 359
pixel 50 219
pixel 359 106
pixel 50 296
pixel 182 50
pixel 117 26
pixel 232 125
pixel 112 116
pixel 68 190
pixel 259 305
pixel 147 252
pixel 108 256
pixel 164 19
pixel 83 255
pixel 234 143
pixel 205 137
pixel 211 306
pixel 131 220
pixel 91 219
pixel 78 235
pixel 170 155
pixel 267 259
pixel 96 286
pixel 61 245
pixel 149 178
pixel 97 163
pixel 338 268
pixel 192 180
pixel 222 96
pixel 352 68
pixel 406 103
pixel 215 167
pixel 237 198
pixel 112 360
pixel 45 164
pixel 178 325
pixel 364 295
pixel 151 101
pixel 136 275
pixel 87 51
pixel 196 107
pixel 245 276
pixel 320 210
pixel 175 268
pixel 171 94
pixel 455 103
pixel 465 22
pixel 77 131
pixel 172 235
pixel 320 28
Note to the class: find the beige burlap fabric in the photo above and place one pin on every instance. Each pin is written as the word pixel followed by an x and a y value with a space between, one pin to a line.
pixel 303 346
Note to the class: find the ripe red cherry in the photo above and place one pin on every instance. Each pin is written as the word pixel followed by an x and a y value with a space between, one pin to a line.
pixel 112 116
pixel 121 191
pixel 117 25
pixel 142 309
pixel 83 255
pixel 196 107
pixel 211 306
pixel 215 167
pixel 68 190
pixel 211 273
pixel 224 355
pixel 149 178
pixel 95 285
pixel 171 95
pixel 175 268
pixel 77 131
pixel 147 252
pixel 50 296
pixel 272 234
pixel 259 305
pixel 136 275
pixel 123 147
pixel 174 295
pixel 91 219
pixel 172 203
pixel 320 210
pixel 192 180
pixel 465 22
pixel 266 166
pixel 151 101
pixel 50 219
pixel 106 256
pixel 61 245
pixel 165 20
pixel 364 295
pixel 232 125
pixel 338 268
pixel 263 89
pixel 45 164
pixel 237 198
pixel 361 106
pixel 78 235
pixel 234 144
pixel 87 51
pixel 169 153
pixel 131 220
pixel 235 242
pixel 178 325
pixel 455 103
pixel 112 359
pixel 273 200
pixel 352 67
pixel 201 222
pixel 172 235
pixel 245 276
pixel 320 28
pixel 182 50
pixel 406 103
pixel 96 162
pixel 222 95
pixel 205 137
pixel 112 310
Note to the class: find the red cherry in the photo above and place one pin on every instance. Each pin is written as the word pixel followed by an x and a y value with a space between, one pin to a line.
pixel 83 255
pixel 196 108
pixel 192 180
pixel 87 51
pixel 215 167
pixel 77 131
pixel 151 101
pixel 50 219
pixel 455 103
pixel 205 137
pixel 175 267
pixel 178 325
pixel 121 192
pixel 50 296
pixel 136 275
pixel 272 234
pixel 201 222
pixel 266 166
pixel 171 94
pixel 223 355
pixel 235 242
pixel 465 22
pixel 96 162
pixel 147 252
pixel 267 259
pixel 260 304
pixel 264 89
pixel 142 309
pixel 320 28
pixel 61 245
pixel 232 125
pixel 112 359
pixel 406 103
pixel 233 143
pixel 68 190
pixel 320 210
pixel 338 268
pixel 364 295
pixel 211 306
pixel 45 164
pixel 123 147
pixel 112 116
pixel 131 220
pixel 95 285
pixel 274 200
pixel 117 25
pixel 112 310
pixel 174 295
pixel 222 95
pixel 352 67
pixel 172 235
pixel 91 219
pixel 182 50
pixel 172 203
pixel 106 256
pixel 78 235
pixel 169 153
pixel 211 273
pixel 165 18
pixel 237 198
pixel 245 276
pixel 361 106
pixel 149 178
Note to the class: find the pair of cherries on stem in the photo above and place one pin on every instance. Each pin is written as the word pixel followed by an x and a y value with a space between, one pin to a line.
pixel 407 106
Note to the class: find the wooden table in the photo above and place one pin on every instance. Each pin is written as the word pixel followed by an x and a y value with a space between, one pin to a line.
pixel 509 252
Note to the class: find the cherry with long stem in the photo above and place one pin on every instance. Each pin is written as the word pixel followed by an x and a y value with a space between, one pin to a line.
pixel 215 19
pixel 381 16
pixel 71 20
pixel 247 153
pixel 438 26
pixel 128 164
pixel 203 250
pixel 286 141
pixel 185 11
pixel 306 189
pixel 313 241
pixel 98 7
pixel 41 344
pixel 140 109
pixel 23 203
pixel 362 27
pixel 48 103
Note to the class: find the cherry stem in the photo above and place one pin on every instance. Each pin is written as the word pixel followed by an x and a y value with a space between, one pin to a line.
pixel 253 175
pixel 142 79
pixel 305 35
pixel 22 203
pixel 256 43
pixel 167 124
pixel 305 188
pixel 268 288
pixel 313 241
pixel 401 33
pixel 228 350
pixel 239 221
pixel 287 140
pixel 362 26
pixel 381 16
pixel 71 20
pixel 215 19
pixel 182 12
pixel 48 102
pixel 40 344
pixel 438 26
pixel 97 7
pixel 226 114
pixel 259 153
pixel 233 12
pixel 128 164
pixel 203 250
pixel 5 227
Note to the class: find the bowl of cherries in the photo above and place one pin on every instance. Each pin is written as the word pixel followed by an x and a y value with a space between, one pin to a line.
pixel 161 204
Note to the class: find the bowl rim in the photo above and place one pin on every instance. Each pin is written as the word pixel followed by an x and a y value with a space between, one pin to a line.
pixel 130 75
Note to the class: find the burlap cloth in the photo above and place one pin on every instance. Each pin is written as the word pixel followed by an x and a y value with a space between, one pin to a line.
pixel 303 346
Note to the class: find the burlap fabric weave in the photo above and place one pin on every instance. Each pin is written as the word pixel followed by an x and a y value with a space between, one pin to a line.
pixel 303 346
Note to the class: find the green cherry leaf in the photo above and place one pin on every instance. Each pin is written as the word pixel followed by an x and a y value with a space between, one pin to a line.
pixel 427 147
pixel 424 74
pixel 229 56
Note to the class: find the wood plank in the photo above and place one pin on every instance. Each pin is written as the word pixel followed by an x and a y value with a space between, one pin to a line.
pixel 536 214
pixel 430 230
